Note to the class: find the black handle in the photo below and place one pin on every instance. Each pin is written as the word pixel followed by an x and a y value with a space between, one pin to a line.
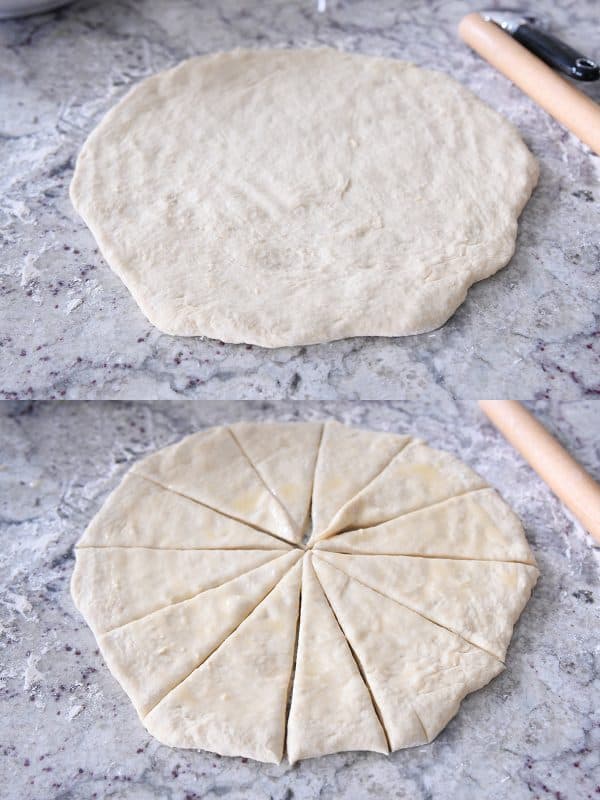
pixel 557 54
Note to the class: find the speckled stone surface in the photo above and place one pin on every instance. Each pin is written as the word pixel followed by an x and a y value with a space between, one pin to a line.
pixel 67 731
pixel 69 328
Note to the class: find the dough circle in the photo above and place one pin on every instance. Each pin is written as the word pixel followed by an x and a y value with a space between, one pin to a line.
pixel 288 197
pixel 255 597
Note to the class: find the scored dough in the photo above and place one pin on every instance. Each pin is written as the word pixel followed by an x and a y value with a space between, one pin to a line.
pixel 235 702
pixel 464 596
pixel 331 708
pixel 151 655
pixel 418 672
pixel 478 526
pixel 211 468
pixel 214 612
pixel 418 476
pixel 284 455
pixel 349 458
pixel 287 197
pixel 142 512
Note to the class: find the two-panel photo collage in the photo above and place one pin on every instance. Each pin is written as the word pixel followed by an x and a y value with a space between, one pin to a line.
pixel 299 400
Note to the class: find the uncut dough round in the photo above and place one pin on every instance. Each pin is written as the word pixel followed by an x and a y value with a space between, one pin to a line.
pixel 288 197
pixel 256 598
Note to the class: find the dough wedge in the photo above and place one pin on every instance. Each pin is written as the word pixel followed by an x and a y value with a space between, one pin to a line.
pixel 478 600
pixel 284 455
pixel 349 459
pixel 235 702
pixel 478 525
pixel 140 513
pixel 210 467
pixel 112 586
pixel 331 708
pixel 151 655
pixel 418 672
pixel 417 477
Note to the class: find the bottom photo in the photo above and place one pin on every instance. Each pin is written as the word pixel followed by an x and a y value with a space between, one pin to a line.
pixel 299 599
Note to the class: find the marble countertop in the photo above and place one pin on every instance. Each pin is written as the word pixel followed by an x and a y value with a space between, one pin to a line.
pixel 67 731
pixel 69 328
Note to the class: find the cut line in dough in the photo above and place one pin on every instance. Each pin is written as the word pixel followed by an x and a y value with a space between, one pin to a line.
pixel 408 608
pixel 284 455
pixel 359 666
pixel 367 453
pixel 150 656
pixel 417 477
pixel 114 586
pixel 215 711
pixel 257 528
pixel 156 517
pixel 457 594
pixel 204 467
pixel 331 707
pixel 474 525
pixel 441 557
pixel 389 640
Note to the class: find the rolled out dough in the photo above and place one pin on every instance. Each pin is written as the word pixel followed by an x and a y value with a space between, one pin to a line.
pixel 232 629
pixel 287 197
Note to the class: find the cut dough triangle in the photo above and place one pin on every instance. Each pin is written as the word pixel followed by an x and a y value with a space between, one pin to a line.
pixel 417 477
pixel 349 458
pixel 479 600
pixel 418 672
pixel 140 513
pixel 150 656
pixel 113 585
pixel 284 455
pixel 210 467
pixel 235 703
pixel 331 707
pixel 477 526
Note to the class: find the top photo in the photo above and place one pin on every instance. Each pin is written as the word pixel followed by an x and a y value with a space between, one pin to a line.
pixel 299 199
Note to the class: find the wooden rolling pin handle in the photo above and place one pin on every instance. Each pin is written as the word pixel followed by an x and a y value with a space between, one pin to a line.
pixel 574 109
pixel 567 479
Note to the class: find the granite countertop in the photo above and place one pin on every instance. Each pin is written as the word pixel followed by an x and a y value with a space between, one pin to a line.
pixel 67 730
pixel 69 328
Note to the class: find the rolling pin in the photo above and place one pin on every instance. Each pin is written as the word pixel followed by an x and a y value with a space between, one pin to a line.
pixel 568 480
pixel 572 108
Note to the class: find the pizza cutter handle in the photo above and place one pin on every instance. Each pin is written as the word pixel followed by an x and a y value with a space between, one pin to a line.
pixel 568 480
pixel 571 107
pixel 557 54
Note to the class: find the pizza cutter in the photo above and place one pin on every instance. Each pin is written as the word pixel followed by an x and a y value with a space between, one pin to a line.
pixel 529 32
pixel 512 42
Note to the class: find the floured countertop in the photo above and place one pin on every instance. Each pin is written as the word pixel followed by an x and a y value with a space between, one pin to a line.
pixel 68 328
pixel 68 731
